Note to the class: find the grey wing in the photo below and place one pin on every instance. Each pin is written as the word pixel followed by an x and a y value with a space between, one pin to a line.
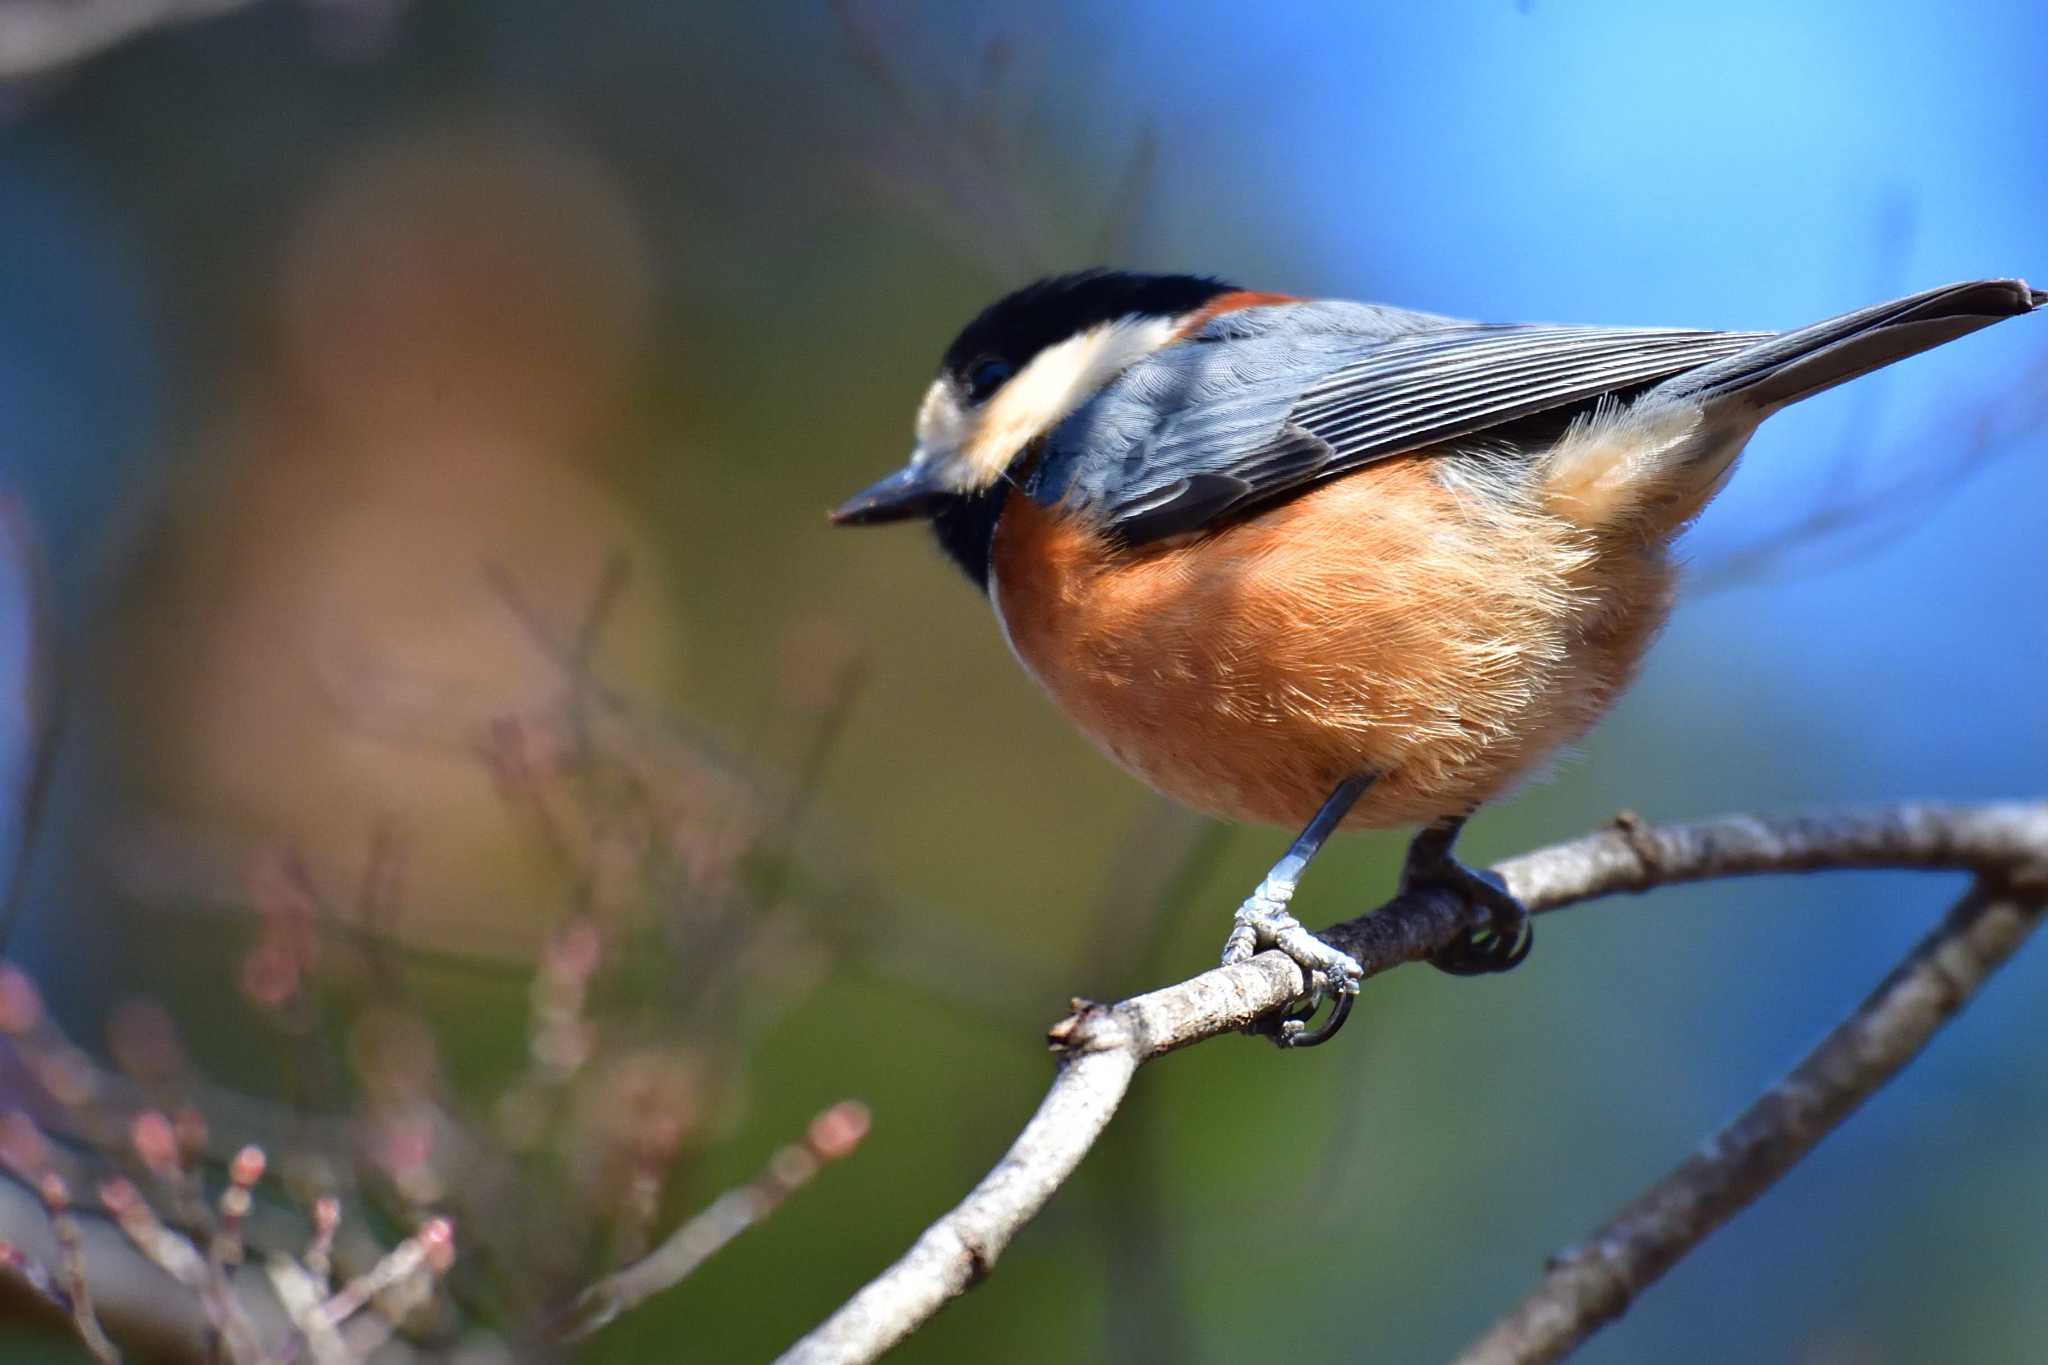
pixel 1205 431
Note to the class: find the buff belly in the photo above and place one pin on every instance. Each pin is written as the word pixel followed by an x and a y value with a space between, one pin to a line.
pixel 1446 640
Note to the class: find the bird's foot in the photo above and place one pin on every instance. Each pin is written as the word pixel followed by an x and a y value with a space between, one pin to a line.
pixel 1502 943
pixel 1264 921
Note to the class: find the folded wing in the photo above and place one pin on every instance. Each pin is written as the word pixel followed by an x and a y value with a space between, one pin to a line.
pixel 1229 442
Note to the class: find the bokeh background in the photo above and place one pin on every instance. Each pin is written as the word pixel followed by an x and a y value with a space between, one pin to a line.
pixel 322 323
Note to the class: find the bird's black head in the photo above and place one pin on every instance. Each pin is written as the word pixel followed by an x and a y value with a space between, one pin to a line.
pixel 1014 330
pixel 1011 375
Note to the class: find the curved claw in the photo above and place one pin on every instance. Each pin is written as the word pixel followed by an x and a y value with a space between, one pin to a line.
pixel 1486 951
pixel 1498 947
pixel 1263 922
pixel 1295 1032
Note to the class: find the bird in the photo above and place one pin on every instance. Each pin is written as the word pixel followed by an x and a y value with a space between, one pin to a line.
pixel 1323 564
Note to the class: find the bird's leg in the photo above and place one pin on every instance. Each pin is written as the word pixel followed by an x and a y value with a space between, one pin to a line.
pixel 1263 921
pixel 1505 941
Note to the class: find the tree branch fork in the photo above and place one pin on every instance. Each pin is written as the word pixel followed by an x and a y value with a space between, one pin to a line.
pixel 1099 1048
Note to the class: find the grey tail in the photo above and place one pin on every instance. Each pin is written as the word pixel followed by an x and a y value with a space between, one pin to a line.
pixel 1796 365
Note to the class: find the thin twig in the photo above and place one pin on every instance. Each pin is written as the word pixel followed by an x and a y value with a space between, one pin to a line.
pixel 1592 1284
pixel 235 1335
pixel 302 1295
pixel 73 1284
pixel 832 1136
pixel 1100 1047
pixel 430 1251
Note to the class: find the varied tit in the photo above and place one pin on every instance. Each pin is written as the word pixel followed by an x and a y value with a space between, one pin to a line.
pixel 1331 564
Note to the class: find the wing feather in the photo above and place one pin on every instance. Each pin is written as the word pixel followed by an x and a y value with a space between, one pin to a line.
pixel 1265 425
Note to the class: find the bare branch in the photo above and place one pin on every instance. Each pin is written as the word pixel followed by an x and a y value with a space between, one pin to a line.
pixel 1100 1047
pixel 1592 1284
pixel 425 1255
pixel 832 1136
pixel 72 1284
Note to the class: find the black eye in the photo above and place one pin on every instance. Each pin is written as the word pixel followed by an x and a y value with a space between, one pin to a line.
pixel 985 378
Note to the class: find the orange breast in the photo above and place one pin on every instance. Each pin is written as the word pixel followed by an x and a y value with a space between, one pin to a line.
pixel 1382 623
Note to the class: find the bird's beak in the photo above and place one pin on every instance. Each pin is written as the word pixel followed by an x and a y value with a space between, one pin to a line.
pixel 912 491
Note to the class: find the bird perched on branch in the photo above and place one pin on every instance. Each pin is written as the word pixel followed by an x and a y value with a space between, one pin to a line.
pixel 1330 564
